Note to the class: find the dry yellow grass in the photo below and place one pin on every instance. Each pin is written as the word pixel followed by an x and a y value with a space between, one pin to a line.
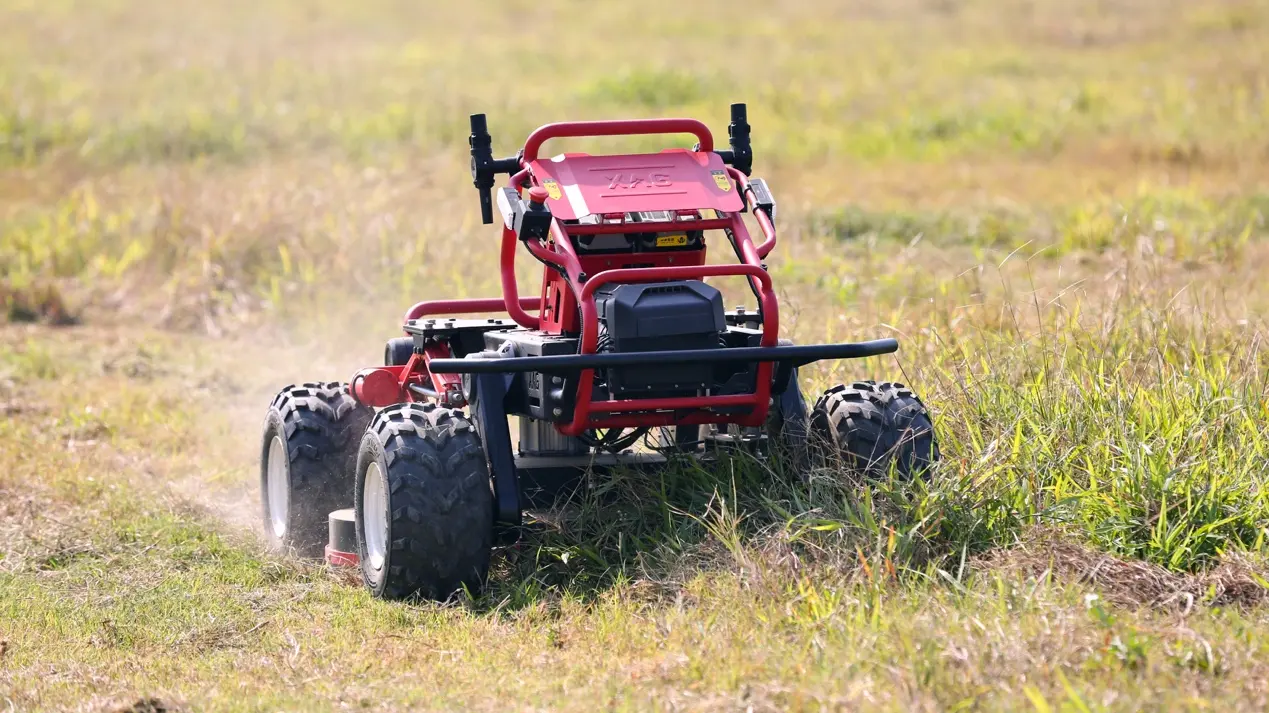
pixel 1060 207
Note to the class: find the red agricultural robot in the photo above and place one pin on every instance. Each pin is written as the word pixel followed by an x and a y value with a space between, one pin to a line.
pixel 624 340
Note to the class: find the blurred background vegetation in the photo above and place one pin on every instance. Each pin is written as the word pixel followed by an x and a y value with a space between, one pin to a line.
pixel 1060 208
pixel 207 162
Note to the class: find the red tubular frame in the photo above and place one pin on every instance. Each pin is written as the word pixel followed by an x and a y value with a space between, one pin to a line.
pixel 511 302
pixel 758 402
pixel 764 223
pixel 559 252
pixel 625 127
pixel 565 258
pixel 479 305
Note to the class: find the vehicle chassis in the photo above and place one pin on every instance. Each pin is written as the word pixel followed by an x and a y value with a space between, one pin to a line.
pixel 542 367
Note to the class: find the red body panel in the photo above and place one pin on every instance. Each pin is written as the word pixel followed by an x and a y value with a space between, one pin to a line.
pixel 386 385
pixel 341 559
pixel 675 179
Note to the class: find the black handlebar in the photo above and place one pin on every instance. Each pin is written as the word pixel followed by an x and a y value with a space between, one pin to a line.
pixel 741 154
pixel 738 137
pixel 484 166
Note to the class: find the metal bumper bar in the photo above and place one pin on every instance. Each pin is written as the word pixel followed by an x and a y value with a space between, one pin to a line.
pixel 795 355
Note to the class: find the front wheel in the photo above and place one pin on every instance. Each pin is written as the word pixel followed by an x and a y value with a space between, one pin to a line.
pixel 875 429
pixel 309 448
pixel 424 504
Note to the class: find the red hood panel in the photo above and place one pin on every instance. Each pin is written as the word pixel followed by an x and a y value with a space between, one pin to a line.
pixel 675 179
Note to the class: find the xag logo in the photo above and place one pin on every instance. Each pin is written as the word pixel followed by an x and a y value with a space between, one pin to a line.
pixel 634 180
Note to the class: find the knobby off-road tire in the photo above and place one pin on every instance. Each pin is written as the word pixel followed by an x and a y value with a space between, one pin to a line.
pixel 424 504
pixel 307 462
pixel 874 428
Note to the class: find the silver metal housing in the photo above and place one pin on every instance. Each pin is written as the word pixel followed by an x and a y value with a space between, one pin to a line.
pixel 539 438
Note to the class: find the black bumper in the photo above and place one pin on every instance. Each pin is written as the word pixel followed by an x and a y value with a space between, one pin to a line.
pixel 785 356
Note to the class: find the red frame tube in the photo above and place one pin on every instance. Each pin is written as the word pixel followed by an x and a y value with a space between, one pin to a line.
pixel 511 301
pixel 764 223
pixel 441 383
pixel 565 258
pixel 623 127
pixel 759 401
pixel 481 305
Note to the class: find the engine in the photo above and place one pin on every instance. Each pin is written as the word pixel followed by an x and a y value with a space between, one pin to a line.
pixel 686 314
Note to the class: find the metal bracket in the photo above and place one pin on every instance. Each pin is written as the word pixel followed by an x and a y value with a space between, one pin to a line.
pixel 489 409
pixel 491 418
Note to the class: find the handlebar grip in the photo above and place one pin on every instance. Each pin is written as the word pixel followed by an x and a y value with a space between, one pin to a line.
pixel 482 173
pixel 738 137
pixel 486 205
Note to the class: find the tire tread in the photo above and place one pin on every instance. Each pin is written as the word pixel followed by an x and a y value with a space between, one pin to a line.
pixel 442 507
pixel 322 425
pixel 876 426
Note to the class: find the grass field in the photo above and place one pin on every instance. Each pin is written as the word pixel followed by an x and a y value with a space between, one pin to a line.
pixel 1061 209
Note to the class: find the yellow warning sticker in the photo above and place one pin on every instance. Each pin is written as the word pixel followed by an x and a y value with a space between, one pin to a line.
pixel 720 177
pixel 676 240
pixel 552 188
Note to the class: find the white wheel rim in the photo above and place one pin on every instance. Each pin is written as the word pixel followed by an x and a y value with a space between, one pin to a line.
pixel 374 517
pixel 279 488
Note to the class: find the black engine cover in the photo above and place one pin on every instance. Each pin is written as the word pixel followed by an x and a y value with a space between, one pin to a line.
pixel 686 314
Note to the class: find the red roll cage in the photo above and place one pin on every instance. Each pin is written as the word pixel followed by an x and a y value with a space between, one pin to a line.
pixel 596 195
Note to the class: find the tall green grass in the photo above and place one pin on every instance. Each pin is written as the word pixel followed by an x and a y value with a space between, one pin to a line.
pixel 1144 434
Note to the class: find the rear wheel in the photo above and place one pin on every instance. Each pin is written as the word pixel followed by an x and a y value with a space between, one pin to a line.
pixel 306 465
pixel 424 504
pixel 875 429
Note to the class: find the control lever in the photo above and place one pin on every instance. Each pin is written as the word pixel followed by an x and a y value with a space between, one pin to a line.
pixel 740 155
pixel 484 167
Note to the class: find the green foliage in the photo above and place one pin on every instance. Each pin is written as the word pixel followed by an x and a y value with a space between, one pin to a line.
pixel 25 140
pixel 651 89
pixel 1057 208
pixel 28 361
pixel 1163 459
pixel 1178 223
